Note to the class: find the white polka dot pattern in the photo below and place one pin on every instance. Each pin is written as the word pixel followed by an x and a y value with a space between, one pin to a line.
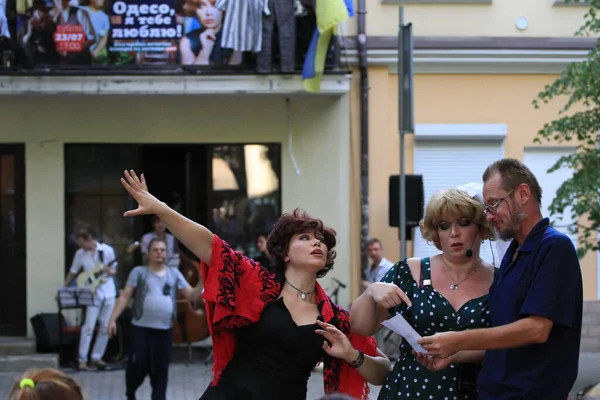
pixel 430 313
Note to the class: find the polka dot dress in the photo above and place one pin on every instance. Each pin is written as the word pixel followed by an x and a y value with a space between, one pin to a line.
pixel 430 313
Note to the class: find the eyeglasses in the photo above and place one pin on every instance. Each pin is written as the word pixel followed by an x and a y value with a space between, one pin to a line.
pixel 494 207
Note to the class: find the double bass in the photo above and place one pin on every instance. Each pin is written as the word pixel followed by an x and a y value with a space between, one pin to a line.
pixel 191 324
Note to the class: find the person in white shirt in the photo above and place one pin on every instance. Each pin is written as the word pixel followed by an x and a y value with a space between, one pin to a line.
pixel 160 232
pixel 89 254
pixel 374 272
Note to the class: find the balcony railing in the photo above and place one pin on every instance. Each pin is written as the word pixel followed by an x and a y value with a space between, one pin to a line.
pixel 49 37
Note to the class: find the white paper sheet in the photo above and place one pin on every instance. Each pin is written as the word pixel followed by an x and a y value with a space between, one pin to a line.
pixel 399 325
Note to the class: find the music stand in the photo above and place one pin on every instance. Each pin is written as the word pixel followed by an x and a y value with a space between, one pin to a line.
pixel 70 298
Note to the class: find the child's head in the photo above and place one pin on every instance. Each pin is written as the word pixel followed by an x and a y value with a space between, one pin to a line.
pixel 45 384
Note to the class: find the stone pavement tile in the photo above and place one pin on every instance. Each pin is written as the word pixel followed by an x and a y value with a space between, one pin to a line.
pixel 185 383
pixel 589 372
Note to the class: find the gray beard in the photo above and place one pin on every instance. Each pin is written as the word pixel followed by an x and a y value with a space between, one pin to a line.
pixel 509 233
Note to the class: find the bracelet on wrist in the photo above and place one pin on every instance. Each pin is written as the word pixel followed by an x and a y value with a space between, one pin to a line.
pixel 359 360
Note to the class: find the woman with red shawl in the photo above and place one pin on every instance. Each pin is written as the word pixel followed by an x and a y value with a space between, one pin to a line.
pixel 270 327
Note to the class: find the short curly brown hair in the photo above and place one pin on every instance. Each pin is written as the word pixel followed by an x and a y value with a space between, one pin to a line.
pixel 457 204
pixel 290 224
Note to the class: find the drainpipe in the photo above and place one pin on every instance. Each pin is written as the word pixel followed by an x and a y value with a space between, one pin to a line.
pixel 364 130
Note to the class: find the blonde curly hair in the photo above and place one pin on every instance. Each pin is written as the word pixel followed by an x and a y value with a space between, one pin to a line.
pixel 457 204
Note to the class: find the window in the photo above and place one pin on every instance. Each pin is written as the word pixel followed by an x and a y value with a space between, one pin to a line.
pixel 95 196
pixel 233 189
pixel 246 195
pixel 540 160
pixel 573 3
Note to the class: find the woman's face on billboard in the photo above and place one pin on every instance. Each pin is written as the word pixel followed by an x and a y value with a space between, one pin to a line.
pixel 210 16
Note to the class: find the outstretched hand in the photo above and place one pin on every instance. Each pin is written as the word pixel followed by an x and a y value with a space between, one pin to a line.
pixel 137 188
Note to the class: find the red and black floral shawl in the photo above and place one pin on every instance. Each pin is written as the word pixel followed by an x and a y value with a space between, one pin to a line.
pixel 236 291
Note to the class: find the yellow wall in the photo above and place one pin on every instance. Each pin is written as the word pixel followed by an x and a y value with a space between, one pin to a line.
pixel 321 146
pixel 496 19
pixel 467 99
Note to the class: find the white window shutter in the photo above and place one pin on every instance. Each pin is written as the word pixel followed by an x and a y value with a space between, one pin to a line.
pixel 449 163
pixel 539 161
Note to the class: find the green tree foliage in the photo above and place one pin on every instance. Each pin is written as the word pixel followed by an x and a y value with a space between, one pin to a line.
pixel 578 122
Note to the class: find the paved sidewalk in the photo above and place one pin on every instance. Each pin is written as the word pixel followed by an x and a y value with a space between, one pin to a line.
pixel 189 382
pixel 185 383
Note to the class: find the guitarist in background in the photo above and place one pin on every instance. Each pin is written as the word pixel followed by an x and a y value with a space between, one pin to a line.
pixel 89 254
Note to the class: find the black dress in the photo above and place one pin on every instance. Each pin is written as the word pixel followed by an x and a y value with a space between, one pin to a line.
pixel 273 359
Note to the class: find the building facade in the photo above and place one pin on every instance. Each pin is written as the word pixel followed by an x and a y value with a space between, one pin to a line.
pixel 478 66
pixel 230 140
pixel 67 153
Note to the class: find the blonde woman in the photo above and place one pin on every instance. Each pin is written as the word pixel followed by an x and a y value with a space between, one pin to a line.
pixel 446 292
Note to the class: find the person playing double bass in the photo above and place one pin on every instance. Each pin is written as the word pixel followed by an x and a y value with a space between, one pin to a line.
pixel 154 288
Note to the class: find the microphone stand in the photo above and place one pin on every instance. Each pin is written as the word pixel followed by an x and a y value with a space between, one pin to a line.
pixel 336 290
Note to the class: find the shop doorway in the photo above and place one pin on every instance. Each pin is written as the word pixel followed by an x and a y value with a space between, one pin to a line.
pixel 13 269
pixel 233 189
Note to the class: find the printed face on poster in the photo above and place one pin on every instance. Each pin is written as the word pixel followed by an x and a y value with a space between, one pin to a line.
pixel 201 40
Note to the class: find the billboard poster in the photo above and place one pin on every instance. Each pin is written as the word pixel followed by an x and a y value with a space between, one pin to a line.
pixel 122 32
pixel 132 33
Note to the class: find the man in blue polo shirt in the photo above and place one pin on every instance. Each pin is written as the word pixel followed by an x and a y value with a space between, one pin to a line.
pixel 532 348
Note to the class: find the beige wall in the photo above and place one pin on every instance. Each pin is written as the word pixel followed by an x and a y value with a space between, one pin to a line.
pixel 496 19
pixel 466 99
pixel 320 129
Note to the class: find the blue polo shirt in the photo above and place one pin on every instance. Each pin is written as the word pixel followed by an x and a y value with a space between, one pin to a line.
pixel 544 280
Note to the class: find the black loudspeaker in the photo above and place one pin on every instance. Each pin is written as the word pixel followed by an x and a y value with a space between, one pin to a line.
pixel 45 327
pixel 414 198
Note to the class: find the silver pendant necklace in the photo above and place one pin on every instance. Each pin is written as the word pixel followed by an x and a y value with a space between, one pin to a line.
pixel 454 285
pixel 302 294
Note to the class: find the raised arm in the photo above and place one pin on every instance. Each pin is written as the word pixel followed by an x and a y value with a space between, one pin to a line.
pixel 194 236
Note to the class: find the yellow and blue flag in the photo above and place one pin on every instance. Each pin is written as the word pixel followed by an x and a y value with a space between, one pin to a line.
pixel 329 14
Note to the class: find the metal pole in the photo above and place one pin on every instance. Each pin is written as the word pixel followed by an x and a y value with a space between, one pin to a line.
pixel 364 133
pixel 401 118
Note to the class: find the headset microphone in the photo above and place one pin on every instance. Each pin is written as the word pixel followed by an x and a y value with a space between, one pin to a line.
pixel 469 252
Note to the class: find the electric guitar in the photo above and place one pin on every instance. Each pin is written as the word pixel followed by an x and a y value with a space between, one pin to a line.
pixel 96 276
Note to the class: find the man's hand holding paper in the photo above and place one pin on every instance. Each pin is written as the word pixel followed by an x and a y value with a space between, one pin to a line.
pixel 441 345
